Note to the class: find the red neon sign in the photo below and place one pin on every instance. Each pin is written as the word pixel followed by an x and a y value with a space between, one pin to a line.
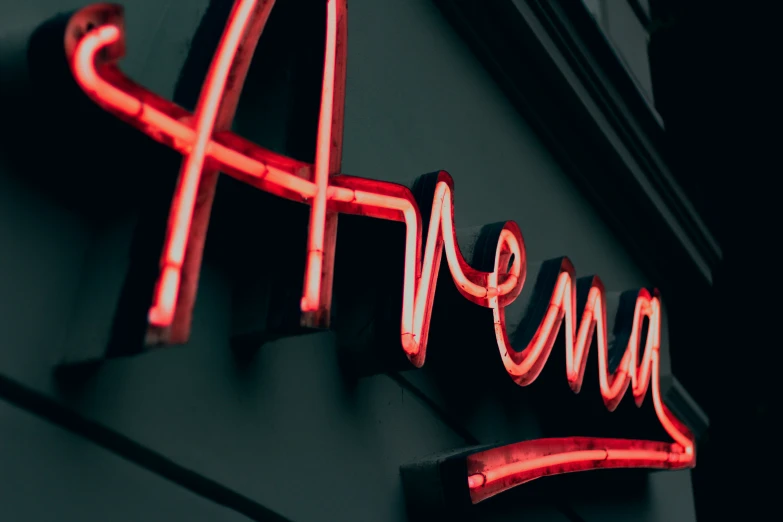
pixel 205 143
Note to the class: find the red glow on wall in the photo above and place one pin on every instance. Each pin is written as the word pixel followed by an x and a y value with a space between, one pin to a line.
pixel 328 193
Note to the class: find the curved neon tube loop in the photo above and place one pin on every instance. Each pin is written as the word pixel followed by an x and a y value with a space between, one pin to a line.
pixel 195 139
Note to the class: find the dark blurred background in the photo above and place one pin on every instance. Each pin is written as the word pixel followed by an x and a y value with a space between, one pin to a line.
pixel 714 68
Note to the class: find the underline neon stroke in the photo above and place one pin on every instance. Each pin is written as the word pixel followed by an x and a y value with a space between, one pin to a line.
pixel 491 471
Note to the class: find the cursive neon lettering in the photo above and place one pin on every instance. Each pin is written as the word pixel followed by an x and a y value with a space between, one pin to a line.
pixel 322 187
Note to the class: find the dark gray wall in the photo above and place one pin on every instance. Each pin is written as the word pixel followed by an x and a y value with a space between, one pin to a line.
pixel 628 36
pixel 52 475
pixel 288 432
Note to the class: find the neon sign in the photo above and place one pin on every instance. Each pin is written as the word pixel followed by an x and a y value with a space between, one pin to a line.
pixel 95 41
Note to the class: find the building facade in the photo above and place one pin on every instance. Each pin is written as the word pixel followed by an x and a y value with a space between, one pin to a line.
pixel 252 415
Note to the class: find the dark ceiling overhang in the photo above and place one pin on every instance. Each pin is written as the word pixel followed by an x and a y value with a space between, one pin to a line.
pixel 562 75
